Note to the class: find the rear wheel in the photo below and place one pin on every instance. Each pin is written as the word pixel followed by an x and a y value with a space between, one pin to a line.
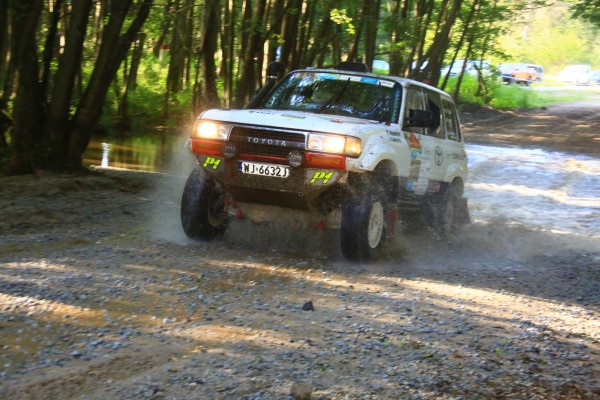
pixel 203 212
pixel 365 225
pixel 448 221
pixel 449 214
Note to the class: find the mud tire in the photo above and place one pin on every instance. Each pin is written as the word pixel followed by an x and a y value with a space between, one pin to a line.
pixel 365 225
pixel 449 214
pixel 203 211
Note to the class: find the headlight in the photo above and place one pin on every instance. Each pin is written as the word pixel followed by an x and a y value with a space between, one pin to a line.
pixel 211 130
pixel 350 146
pixel 353 146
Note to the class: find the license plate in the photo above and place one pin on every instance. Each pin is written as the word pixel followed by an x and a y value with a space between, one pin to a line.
pixel 278 171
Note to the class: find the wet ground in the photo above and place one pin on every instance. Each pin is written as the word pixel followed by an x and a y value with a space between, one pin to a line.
pixel 103 297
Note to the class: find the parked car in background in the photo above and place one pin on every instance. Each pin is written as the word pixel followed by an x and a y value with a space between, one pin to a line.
pixel 472 67
pixel 521 73
pixel 577 74
pixel 539 69
pixel 595 77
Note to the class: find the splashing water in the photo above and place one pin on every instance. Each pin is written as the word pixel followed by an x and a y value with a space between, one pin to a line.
pixel 522 202
pixel 550 191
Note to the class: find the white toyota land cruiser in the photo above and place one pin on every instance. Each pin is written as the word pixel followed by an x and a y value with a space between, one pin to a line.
pixel 351 149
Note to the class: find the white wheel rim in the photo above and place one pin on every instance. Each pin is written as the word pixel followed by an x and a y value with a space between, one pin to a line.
pixel 215 219
pixel 375 228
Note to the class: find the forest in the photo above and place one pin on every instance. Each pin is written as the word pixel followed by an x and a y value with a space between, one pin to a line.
pixel 73 69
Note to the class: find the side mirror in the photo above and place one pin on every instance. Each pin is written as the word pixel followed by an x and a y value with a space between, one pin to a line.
pixel 419 119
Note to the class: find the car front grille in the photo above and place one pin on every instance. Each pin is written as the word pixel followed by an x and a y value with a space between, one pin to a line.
pixel 267 142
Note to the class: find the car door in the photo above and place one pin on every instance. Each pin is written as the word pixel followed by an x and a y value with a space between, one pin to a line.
pixel 424 141
pixel 454 163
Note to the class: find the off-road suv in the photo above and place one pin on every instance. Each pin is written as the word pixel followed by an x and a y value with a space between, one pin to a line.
pixel 345 148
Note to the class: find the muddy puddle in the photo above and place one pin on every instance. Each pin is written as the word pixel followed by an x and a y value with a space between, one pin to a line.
pixel 522 202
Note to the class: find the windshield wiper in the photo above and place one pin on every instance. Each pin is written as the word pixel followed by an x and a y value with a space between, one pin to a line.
pixel 335 98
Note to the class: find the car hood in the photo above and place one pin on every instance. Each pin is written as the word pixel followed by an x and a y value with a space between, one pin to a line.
pixel 291 120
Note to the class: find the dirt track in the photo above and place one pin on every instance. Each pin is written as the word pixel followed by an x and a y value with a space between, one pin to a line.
pixel 570 127
pixel 102 298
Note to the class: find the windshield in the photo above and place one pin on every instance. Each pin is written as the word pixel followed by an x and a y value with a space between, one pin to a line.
pixel 337 94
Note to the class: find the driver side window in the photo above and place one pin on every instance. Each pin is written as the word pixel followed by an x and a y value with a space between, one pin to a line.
pixel 415 100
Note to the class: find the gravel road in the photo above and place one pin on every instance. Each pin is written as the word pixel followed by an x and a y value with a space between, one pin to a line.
pixel 102 297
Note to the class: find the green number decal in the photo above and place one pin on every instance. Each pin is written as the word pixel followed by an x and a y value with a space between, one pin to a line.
pixel 211 161
pixel 321 176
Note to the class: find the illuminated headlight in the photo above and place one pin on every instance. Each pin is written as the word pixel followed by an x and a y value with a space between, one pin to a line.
pixel 211 130
pixel 347 145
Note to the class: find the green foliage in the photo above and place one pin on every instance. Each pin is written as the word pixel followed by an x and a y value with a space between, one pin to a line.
pixel 549 36
pixel 147 102
pixel 340 17
pixel 588 10
pixel 499 95
pixel 513 96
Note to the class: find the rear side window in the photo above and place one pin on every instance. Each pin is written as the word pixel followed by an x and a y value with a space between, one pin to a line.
pixel 420 99
pixel 434 104
pixel 451 121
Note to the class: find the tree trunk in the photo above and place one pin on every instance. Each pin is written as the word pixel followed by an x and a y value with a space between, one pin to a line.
pixel 113 49
pixel 290 29
pixel 64 83
pixel 165 27
pixel 207 95
pixel 437 51
pixel 228 50
pixel 130 78
pixel 50 43
pixel 465 31
pixel 252 45
pixel 177 51
pixel 371 24
pixel 322 38
pixel 28 110
pixel 307 29
pixel 7 59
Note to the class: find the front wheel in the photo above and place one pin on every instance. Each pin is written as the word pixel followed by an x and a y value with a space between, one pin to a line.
pixel 365 226
pixel 203 212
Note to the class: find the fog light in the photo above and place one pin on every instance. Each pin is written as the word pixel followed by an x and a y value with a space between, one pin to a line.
pixel 295 158
pixel 229 150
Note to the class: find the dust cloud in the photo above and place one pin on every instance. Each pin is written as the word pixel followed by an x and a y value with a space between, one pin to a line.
pixel 166 196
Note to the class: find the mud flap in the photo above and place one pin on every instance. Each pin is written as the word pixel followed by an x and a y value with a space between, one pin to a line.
pixel 462 211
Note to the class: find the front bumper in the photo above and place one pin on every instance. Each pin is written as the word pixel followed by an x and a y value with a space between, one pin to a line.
pixel 302 189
